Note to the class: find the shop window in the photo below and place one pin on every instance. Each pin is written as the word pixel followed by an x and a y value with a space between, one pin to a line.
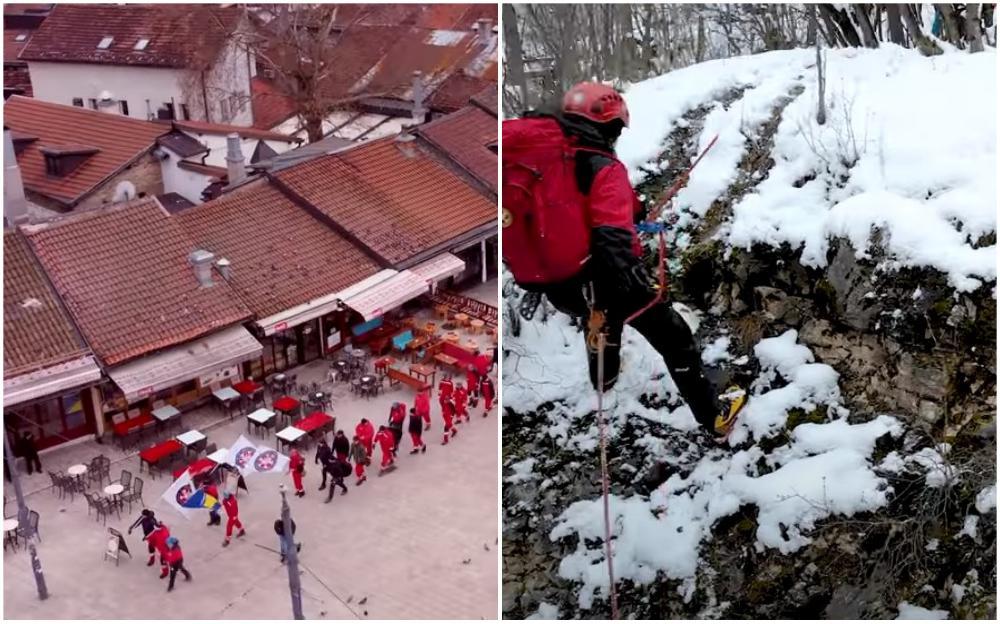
pixel 73 407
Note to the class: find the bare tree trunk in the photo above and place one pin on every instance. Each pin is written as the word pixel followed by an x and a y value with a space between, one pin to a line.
pixel 951 24
pixel 844 24
pixel 515 53
pixel 973 33
pixel 820 80
pixel 867 32
pixel 896 34
pixel 811 33
pixel 923 43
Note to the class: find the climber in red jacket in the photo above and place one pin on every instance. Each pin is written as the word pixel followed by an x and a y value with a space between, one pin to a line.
pixel 448 415
pixel 445 387
pixel 461 403
pixel 297 466
pixel 611 282
pixel 157 540
pixel 482 362
pixel 472 383
pixel 232 516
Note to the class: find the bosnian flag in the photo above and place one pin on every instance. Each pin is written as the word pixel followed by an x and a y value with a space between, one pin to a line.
pixel 268 460
pixel 179 492
pixel 241 455
pixel 200 499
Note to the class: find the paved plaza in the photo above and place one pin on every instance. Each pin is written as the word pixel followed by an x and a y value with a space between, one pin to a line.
pixel 418 543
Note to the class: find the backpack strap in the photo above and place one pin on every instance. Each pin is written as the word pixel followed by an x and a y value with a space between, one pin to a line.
pixel 589 163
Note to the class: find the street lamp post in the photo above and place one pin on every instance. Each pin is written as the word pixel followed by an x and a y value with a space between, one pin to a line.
pixel 22 519
pixel 291 557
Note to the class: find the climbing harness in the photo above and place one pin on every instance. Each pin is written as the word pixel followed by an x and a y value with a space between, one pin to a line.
pixel 597 341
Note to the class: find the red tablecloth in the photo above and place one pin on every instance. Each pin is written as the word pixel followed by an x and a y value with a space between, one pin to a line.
pixel 247 386
pixel 286 404
pixel 313 421
pixel 155 453
pixel 196 467
pixel 126 426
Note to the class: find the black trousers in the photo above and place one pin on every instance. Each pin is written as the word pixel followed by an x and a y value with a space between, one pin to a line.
pixel 175 567
pixel 335 480
pixel 661 325
pixel 33 462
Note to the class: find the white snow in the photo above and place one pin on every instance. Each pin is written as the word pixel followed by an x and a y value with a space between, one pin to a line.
pixel 522 471
pixel 932 193
pixel 932 544
pixel 938 470
pixel 908 611
pixel 717 351
pixel 970 528
pixel 545 611
pixel 986 499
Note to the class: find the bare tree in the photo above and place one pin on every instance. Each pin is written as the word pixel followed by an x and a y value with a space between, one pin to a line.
pixel 925 44
pixel 973 31
pixel 820 78
pixel 867 32
pixel 515 55
pixel 896 34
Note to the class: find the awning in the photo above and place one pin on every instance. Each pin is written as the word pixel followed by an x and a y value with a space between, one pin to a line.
pixel 319 306
pixel 439 267
pixel 50 380
pixel 185 362
pixel 390 294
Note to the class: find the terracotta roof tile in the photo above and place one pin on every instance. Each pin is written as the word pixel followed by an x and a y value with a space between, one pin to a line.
pixel 119 140
pixel 17 79
pixel 465 136
pixel 487 100
pixel 177 33
pixel 11 46
pixel 442 16
pixel 281 256
pixel 123 273
pixel 397 205
pixel 270 106
pixel 37 331
pixel 457 90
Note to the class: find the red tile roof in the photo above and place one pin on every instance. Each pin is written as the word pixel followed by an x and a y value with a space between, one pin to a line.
pixel 204 127
pixel 37 331
pixel 464 136
pixel 17 78
pixel 209 170
pixel 399 206
pixel 124 275
pixel 488 100
pixel 180 35
pixel 281 256
pixel 457 90
pixel 11 46
pixel 441 16
pixel 119 140
pixel 270 106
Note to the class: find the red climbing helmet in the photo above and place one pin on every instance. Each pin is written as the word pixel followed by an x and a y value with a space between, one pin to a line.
pixel 596 102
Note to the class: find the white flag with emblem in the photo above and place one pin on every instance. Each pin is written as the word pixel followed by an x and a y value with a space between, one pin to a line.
pixel 241 455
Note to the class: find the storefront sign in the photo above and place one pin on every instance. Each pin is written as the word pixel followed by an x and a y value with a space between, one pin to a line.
pixel 229 372
pixel 281 326
pixel 333 340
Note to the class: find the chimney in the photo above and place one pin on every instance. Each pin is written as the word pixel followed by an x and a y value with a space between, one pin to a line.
pixel 201 262
pixel 484 29
pixel 234 160
pixel 419 95
pixel 407 143
pixel 15 206
pixel 225 268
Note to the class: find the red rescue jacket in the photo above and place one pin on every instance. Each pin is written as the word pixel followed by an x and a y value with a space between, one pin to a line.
pixel 365 432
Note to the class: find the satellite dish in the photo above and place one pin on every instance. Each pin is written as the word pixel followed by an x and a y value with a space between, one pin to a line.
pixel 125 191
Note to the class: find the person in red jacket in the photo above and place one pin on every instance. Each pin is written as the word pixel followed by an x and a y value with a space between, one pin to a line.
pixel 397 416
pixel 461 403
pixel 386 443
pixel 232 516
pixel 448 414
pixel 482 362
pixel 423 404
pixel 297 466
pixel 445 387
pixel 488 392
pixel 614 278
pixel 416 429
pixel 472 383
pixel 175 559
pixel 157 540
pixel 366 434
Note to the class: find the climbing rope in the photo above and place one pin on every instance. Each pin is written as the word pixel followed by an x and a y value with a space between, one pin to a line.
pixel 597 341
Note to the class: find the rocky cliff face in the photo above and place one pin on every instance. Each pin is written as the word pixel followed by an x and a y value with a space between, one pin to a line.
pixel 903 341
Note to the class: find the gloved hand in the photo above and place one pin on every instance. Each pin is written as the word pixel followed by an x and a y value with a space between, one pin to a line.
pixel 615 266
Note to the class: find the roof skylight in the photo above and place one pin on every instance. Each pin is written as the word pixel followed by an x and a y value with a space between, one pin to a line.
pixel 141 44
pixel 105 43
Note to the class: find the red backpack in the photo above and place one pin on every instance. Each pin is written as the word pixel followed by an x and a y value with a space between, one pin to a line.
pixel 546 225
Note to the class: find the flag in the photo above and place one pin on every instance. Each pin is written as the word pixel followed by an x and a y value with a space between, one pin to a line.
pixel 177 494
pixel 200 499
pixel 241 454
pixel 268 461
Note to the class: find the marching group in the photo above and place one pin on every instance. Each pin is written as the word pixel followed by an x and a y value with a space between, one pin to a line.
pixel 455 400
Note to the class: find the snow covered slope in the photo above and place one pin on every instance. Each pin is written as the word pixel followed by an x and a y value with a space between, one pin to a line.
pixel 909 146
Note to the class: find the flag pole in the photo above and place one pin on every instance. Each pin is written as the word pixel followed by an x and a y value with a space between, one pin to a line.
pixel 291 556
pixel 22 519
